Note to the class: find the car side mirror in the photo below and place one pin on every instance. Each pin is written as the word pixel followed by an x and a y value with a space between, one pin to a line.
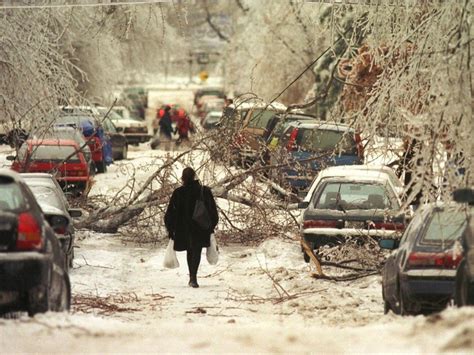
pixel 11 157
pixel 303 205
pixel 58 223
pixel 119 129
pixel 75 212
pixel 389 243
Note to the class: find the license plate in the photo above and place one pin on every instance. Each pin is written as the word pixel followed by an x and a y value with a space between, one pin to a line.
pixel 354 224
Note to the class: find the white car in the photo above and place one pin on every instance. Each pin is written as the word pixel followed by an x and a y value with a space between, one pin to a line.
pixel 351 203
pixel 135 131
pixel 349 170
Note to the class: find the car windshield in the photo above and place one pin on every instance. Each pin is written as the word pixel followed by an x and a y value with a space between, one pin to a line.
pixel 355 195
pixel 323 140
pixel 114 116
pixel 53 153
pixel 11 197
pixel 260 118
pixel 446 225
pixel 75 120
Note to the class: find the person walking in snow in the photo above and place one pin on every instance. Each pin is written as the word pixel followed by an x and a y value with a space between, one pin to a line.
pixel 182 127
pixel 166 128
pixel 187 234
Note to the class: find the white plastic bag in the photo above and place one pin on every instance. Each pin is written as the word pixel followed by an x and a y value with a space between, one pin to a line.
pixel 212 253
pixel 171 261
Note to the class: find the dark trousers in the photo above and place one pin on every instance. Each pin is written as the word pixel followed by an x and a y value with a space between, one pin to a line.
pixel 194 258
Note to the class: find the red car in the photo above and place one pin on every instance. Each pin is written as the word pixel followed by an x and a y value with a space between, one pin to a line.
pixel 60 157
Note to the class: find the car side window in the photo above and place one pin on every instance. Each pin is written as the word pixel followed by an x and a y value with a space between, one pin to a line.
pixel 414 227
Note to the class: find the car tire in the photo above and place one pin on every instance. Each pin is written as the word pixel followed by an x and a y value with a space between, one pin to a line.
pixel 36 303
pixel 462 296
pixel 101 167
pixel 124 153
pixel 404 310
pixel 64 300
pixel 386 307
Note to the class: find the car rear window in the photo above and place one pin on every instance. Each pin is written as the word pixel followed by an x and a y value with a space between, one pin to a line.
pixel 354 195
pixel 260 118
pixel 446 225
pixel 323 140
pixel 44 194
pixel 11 197
pixel 54 153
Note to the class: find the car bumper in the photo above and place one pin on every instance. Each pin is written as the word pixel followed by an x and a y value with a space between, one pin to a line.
pixel 22 271
pixel 134 138
pixel 310 233
pixel 431 288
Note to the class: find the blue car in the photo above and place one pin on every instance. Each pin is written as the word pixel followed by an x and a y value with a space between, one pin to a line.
pixel 310 146
pixel 419 276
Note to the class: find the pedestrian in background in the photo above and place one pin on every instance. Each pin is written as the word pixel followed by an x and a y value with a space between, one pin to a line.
pixel 187 234
pixel 166 129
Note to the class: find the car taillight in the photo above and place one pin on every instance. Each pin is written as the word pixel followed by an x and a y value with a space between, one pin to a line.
pixel 316 223
pixel 29 233
pixel 393 226
pixel 291 146
pixel 441 260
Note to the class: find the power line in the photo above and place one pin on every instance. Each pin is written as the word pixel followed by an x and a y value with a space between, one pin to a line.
pixel 11 4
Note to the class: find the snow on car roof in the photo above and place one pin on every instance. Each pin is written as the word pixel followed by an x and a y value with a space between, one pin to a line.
pixel 321 125
pixel 255 103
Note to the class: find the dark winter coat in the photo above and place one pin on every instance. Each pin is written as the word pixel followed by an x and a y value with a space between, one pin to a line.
pixel 165 125
pixel 178 218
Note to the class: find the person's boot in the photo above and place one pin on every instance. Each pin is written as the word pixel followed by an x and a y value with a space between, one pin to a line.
pixel 193 281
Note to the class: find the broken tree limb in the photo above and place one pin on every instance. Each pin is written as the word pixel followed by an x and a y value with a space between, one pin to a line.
pixel 309 251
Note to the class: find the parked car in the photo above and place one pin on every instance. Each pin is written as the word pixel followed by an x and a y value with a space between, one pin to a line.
pixel 53 203
pixel 310 146
pixel 114 143
pixel 33 274
pixel 60 157
pixel 284 121
pixel 207 91
pixel 99 143
pixel 135 131
pixel 249 141
pixel 418 276
pixel 464 284
pixel 74 134
pixel 360 205
pixel 348 170
pixel 212 120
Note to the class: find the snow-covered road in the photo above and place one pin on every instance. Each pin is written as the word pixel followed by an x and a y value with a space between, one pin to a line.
pixel 256 299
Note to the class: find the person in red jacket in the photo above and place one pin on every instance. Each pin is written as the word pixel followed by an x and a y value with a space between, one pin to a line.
pixel 183 127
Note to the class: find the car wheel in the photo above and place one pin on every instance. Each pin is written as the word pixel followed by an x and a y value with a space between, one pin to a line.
pixel 461 293
pixel 124 152
pixel 38 300
pixel 404 310
pixel 64 299
pixel 386 307
pixel 71 258
pixel 101 167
